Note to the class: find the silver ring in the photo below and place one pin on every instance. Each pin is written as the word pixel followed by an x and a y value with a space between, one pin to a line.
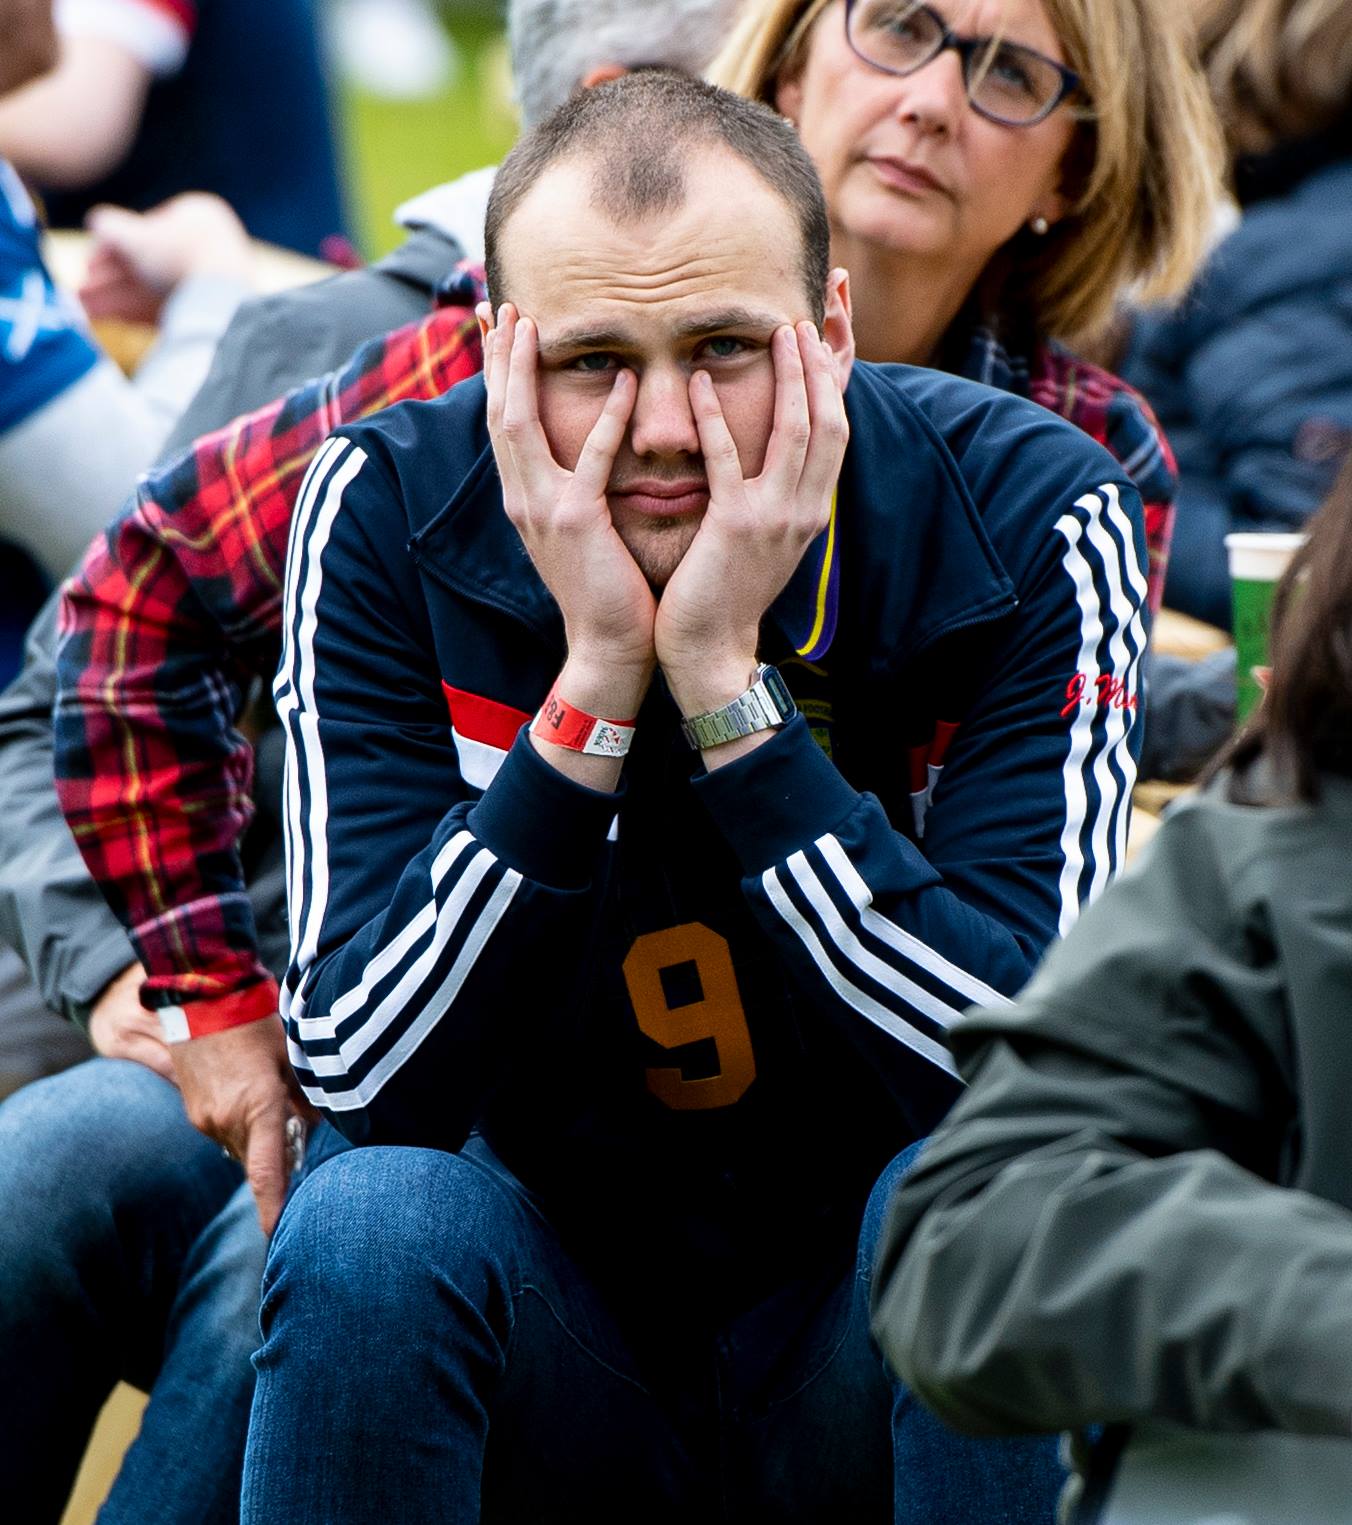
pixel 295 1142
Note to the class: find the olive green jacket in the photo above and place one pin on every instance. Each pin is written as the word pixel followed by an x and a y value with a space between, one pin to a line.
pixel 1142 1207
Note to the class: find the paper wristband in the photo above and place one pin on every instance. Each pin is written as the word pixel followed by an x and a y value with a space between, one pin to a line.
pixel 566 726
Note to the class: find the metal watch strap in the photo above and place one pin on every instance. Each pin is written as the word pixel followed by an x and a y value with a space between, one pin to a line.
pixel 765 706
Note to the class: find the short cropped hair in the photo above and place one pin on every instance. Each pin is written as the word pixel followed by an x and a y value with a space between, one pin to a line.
pixel 556 43
pixel 639 132
pixel 1143 173
pixel 1278 69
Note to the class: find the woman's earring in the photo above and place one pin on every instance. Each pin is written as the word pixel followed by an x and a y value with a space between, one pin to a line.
pixel 1040 226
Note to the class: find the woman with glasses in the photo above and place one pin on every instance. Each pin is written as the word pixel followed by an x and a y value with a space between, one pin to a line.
pixel 997 172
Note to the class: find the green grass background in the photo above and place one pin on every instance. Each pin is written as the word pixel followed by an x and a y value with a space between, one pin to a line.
pixel 394 149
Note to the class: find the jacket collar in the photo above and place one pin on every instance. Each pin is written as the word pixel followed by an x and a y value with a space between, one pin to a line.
pixel 905 538
pixel 469 544
pixel 907 553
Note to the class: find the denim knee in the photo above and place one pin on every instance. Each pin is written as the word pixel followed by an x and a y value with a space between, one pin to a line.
pixel 108 1137
pixel 382 1231
pixel 880 1199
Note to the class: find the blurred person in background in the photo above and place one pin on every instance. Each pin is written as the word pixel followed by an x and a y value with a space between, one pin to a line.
pixel 991 206
pixel 1140 1214
pixel 100 1168
pixel 1252 374
pixel 74 432
pixel 397 49
pixel 150 98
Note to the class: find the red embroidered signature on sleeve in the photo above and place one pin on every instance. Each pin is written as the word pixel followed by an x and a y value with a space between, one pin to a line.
pixel 1105 692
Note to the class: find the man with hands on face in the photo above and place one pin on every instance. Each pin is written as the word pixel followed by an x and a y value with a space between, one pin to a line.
pixel 647 973
pixel 654 570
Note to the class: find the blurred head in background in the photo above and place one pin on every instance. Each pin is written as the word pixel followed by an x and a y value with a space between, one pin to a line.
pixel 1047 219
pixel 558 45
pixel 1279 70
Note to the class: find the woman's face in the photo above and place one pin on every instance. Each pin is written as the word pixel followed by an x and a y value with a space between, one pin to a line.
pixel 906 164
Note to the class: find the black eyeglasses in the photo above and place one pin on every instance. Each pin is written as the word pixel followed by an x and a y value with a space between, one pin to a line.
pixel 1006 82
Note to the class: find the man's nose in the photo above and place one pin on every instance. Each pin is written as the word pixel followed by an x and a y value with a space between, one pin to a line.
pixel 663 422
pixel 935 96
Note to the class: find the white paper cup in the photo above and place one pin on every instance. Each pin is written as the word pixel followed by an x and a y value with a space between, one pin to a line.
pixel 1257 563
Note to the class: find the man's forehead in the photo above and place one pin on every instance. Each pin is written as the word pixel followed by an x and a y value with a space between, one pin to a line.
pixel 732 243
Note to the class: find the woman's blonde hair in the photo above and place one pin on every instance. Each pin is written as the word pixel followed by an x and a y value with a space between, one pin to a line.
pixel 1278 69
pixel 1142 176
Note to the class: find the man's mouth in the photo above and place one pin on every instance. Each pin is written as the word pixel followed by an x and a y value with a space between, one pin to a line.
pixel 662 500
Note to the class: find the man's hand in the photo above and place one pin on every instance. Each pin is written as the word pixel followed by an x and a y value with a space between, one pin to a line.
pixel 30 46
pixel 562 516
pixel 238 1088
pixel 138 259
pixel 755 532
pixel 121 1028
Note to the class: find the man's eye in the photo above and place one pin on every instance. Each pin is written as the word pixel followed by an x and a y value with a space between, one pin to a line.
pixel 724 347
pixel 595 364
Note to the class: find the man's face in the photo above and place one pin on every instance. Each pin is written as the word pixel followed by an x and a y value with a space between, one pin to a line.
pixel 703 287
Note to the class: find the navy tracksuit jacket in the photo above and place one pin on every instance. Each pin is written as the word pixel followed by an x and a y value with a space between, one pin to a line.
pixel 697 1016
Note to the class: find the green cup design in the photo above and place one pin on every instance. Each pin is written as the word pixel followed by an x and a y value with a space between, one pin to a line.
pixel 1256 566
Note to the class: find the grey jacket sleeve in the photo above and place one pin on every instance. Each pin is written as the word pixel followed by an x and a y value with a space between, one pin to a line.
pixel 51 911
pixel 67 468
pixel 1094 1235
pixel 275 342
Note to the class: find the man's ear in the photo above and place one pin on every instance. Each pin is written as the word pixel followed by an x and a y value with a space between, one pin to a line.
pixel 789 95
pixel 837 329
pixel 601 73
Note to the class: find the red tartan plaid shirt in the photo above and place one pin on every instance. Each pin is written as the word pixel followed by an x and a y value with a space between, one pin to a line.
pixel 171 620
pixel 175 616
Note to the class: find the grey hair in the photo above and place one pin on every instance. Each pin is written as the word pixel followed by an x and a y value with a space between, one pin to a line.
pixel 556 43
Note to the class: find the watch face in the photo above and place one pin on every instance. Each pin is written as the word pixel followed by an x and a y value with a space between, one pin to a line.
pixel 779 693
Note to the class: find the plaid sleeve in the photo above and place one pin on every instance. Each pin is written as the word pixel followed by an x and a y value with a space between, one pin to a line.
pixel 1121 420
pixel 164 630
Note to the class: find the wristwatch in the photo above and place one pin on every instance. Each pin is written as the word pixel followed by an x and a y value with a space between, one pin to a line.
pixel 765 706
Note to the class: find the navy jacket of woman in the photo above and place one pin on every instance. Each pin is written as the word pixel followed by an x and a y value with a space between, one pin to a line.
pixel 1252 376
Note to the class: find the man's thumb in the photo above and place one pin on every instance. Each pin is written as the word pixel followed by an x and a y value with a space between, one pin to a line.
pixel 265 1167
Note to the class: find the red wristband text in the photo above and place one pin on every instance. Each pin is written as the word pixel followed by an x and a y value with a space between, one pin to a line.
pixel 567 726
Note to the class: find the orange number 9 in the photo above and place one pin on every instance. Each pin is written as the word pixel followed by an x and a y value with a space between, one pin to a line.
pixel 718 1014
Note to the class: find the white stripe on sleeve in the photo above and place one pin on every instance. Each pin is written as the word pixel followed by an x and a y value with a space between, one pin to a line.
pixel 1091 548
pixel 873 1011
pixel 967 986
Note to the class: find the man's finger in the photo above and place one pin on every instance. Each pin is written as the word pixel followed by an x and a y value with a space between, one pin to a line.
pixel 531 455
pixel 484 312
pixel 787 450
pixel 497 362
pixel 597 459
pixel 265 1165
pixel 722 464
pixel 830 425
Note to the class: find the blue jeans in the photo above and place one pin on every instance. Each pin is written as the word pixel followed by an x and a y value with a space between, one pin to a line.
pixel 128 1250
pixel 433 1353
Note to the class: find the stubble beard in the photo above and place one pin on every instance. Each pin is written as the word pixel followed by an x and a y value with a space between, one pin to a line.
pixel 658 547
